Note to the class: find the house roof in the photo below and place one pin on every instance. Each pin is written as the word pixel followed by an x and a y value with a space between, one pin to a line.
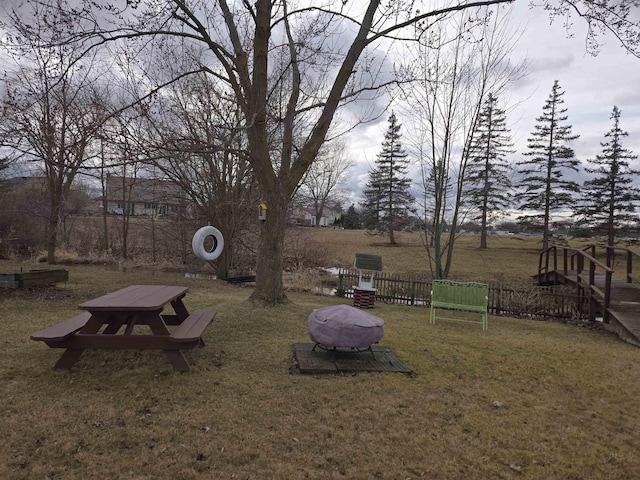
pixel 143 190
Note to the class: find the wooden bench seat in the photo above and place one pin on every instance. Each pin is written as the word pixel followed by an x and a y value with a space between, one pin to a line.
pixel 62 330
pixel 194 326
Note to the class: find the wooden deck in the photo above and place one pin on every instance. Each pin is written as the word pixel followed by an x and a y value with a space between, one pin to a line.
pixel 624 304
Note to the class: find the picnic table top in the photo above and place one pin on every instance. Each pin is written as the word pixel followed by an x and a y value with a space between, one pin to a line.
pixel 135 297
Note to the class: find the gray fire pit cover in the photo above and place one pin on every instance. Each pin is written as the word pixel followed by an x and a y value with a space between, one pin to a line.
pixel 345 326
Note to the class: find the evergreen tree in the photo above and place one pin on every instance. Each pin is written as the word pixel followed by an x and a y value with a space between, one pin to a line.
pixel 488 182
pixel 387 197
pixel 610 199
pixel 543 183
pixel 370 211
pixel 351 220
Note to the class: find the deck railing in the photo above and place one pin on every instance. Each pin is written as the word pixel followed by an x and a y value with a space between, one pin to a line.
pixel 629 255
pixel 575 263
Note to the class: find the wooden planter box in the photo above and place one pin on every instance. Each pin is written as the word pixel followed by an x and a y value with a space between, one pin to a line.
pixel 33 278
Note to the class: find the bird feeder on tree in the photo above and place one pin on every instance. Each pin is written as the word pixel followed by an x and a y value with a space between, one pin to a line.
pixel 262 212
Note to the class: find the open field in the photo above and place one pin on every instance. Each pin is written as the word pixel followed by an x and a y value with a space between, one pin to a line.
pixel 509 258
pixel 524 399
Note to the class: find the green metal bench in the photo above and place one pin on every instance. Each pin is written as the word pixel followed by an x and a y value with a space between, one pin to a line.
pixel 462 296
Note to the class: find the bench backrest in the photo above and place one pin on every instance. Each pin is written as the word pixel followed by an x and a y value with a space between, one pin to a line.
pixel 460 295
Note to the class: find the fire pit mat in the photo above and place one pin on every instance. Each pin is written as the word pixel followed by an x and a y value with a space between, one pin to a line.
pixel 307 360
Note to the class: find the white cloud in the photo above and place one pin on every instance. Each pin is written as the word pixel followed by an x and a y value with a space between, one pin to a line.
pixel 592 86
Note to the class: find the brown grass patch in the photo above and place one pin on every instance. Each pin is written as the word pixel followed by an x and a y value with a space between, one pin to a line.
pixel 553 401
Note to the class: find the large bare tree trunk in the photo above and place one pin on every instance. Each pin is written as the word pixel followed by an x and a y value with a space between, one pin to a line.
pixel 225 260
pixel 52 228
pixel 269 284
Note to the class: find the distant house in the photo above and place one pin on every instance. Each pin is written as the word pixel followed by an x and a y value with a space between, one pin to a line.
pixel 143 196
pixel 306 216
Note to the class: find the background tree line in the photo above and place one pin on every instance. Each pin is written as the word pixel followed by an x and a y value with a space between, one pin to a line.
pixel 234 101
pixel 491 181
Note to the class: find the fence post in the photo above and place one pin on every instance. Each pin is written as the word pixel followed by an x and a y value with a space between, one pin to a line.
pixel 546 266
pixel 413 292
pixel 592 283
pixel 494 295
pixel 579 265
pixel 607 297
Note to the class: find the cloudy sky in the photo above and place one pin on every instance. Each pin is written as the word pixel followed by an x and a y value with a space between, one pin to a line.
pixel 592 86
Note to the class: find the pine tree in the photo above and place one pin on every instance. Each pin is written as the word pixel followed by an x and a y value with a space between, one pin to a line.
pixel 543 183
pixel 387 197
pixel 351 219
pixel 370 212
pixel 610 199
pixel 488 182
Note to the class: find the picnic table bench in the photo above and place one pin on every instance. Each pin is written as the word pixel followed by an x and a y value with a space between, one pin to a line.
pixel 461 296
pixel 191 329
pixel 61 330
pixel 98 326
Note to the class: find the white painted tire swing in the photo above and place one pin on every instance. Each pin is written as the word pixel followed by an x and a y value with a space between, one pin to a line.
pixel 199 240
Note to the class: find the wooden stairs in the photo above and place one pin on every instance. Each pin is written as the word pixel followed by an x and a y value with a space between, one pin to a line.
pixel 613 297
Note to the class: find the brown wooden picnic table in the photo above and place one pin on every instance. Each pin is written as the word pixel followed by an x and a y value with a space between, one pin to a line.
pixel 99 326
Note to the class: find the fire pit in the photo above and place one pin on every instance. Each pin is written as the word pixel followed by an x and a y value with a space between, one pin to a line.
pixel 343 326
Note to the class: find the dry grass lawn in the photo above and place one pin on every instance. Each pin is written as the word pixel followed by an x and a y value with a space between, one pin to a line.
pixel 509 259
pixel 524 399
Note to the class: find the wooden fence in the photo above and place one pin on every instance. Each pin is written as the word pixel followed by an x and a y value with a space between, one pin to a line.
pixel 517 301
